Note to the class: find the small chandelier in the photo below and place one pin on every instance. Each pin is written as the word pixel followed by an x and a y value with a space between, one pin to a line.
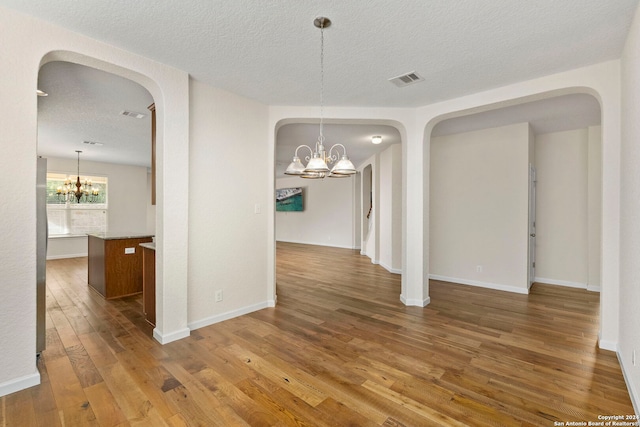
pixel 319 158
pixel 83 192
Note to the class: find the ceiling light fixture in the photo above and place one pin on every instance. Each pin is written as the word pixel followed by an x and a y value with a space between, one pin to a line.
pixel 82 192
pixel 376 139
pixel 319 158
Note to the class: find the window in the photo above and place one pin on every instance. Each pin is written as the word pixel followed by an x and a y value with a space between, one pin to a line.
pixel 67 217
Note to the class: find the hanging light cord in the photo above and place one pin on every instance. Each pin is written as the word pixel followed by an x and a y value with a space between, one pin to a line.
pixel 321 137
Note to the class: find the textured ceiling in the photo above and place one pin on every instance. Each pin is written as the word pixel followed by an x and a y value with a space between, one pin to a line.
pixel 84 104
pixel 269 50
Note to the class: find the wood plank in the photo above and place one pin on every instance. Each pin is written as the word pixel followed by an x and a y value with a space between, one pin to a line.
pixel 339 349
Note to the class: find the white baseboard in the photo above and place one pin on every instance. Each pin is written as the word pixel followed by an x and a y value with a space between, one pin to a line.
pixel 415 302
pixel 633 393
pixel 18 384
pixel 229 315
pixel 65 256
pixel 566 283
pixel 173 336
pixel 477 283
pixel 607 345
pixel 391 269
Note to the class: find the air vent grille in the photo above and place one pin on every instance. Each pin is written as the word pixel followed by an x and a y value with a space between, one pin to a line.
pixel 132 114
pixel 406 79
pixel 97 144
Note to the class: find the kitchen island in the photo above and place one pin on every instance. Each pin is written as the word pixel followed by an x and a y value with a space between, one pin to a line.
pixel 115 263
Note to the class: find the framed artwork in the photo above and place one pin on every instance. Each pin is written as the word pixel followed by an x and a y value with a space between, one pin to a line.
pixel 289 199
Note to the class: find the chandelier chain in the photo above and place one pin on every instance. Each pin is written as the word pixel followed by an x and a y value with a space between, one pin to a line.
pixel 321 138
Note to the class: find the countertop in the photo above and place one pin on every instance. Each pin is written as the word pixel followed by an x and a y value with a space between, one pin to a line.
pixel 117 236
pixel 150 245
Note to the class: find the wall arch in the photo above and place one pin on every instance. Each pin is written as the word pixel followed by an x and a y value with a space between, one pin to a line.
pixel 602 82
pixel 171 312
pixel 281 116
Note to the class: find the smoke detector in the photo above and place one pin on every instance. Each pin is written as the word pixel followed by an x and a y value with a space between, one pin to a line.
pixel 406 79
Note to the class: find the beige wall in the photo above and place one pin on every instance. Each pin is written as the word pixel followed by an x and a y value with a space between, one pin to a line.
pixel 479 208
pixel 569 208
pixel 562 205
pixel 227 207
pixel 327 218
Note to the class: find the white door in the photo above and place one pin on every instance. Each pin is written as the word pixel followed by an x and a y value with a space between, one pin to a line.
pixel 532 224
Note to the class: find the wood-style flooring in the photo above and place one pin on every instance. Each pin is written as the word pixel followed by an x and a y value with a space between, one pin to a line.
pixel 338 350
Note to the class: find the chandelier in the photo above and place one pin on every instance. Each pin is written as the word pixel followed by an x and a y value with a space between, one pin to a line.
pixel 83 192
pixel 319 157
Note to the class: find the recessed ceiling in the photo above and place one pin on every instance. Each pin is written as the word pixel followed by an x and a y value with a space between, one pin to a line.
pixel 84 112
pixel 557 114
pixel 355 137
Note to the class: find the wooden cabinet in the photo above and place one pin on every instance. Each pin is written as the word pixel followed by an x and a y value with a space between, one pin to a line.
pixel 149 282
pixel 115 264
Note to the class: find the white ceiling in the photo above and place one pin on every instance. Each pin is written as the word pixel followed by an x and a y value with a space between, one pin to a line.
pixel 84 104
pixel 269 51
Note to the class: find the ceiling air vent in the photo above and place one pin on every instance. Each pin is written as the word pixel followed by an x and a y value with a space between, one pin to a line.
pixel 132 114
pixel 97 144
pixel 406 79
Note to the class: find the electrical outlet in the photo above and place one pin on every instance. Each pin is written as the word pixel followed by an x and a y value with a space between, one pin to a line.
pixel 478 269
pixel 219 296
pixel 129 251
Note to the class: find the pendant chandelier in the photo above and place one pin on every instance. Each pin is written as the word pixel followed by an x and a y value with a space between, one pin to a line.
pixel 82 193
pixel 318 160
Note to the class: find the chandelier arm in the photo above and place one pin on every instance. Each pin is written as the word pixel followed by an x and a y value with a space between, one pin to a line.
pixel 308 148
pixel 344 150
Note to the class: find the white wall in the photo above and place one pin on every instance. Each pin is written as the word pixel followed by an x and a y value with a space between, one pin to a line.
pixel 562 160
pixel 630 209
pixel 479 208
pixel 391 208
pixel 129 198
pixel 327 218
pixel 227 207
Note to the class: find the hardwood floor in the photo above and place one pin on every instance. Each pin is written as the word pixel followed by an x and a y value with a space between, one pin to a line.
pixel 339 349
